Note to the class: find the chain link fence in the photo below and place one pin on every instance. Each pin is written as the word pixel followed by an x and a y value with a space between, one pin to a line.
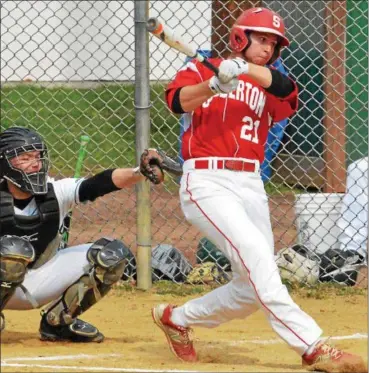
pixel 68 69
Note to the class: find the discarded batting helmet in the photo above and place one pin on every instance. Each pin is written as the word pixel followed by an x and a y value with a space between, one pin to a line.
pixel 208 252
pixel 341 266
pixel 168 263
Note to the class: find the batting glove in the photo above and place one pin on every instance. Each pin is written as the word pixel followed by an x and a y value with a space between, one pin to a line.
pixel 216 86
pixel 229 69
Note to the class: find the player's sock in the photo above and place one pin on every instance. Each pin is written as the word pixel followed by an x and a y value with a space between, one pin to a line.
pixel 177 317
pixel 312 346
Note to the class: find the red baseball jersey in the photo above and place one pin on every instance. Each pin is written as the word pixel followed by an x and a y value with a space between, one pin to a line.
pixel 229 125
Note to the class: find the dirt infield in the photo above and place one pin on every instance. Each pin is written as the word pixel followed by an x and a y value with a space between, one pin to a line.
pixel 133 342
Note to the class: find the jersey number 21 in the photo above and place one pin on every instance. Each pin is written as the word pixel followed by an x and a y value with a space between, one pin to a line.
pixel 249 131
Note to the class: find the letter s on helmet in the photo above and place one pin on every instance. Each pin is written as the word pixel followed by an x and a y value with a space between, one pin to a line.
pixel 260 20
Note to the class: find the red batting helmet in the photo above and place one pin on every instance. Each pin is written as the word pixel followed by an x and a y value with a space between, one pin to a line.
pixel 260 20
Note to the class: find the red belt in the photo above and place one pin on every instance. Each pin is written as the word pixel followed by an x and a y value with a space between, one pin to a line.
pixel 236 165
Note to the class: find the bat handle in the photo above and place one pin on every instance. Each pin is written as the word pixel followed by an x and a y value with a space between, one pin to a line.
pixel 211 67
pixel 206 63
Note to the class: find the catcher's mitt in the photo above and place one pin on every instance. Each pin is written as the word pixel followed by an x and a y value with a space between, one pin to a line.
pixel 150 166
pixel 154 161
pixel 207 273
pixel 169 164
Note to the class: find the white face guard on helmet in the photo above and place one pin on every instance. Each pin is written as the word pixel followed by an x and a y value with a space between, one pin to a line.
pixel 295 267
pixel 34 183
pixel 14 142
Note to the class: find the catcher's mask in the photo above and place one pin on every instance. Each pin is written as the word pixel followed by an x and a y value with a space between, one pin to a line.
pixel 15 142
pixel 258 20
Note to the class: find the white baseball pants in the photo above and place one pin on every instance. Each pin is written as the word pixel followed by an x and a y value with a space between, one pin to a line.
pixel 48 282
pixel 231 209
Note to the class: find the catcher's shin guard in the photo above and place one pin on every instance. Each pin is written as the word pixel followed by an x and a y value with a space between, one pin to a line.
pixel 15 254
pixel 108 259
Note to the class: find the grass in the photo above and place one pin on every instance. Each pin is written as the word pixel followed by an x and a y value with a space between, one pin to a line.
pixel 326 290
pixel 320 291
pixel 106 114
pixel 274 188
pixel 164 287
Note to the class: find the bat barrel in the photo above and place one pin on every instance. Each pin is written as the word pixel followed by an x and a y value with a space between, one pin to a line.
pixel 169 37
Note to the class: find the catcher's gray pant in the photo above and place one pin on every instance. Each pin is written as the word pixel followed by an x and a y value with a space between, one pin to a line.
pixel 231 209
pixel 49 281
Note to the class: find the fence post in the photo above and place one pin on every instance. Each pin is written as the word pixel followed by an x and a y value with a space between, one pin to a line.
pixel 335 104
pixel 142 113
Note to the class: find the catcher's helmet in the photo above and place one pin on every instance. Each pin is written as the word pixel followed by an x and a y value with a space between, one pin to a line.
pixel 15 141
pixel 260 20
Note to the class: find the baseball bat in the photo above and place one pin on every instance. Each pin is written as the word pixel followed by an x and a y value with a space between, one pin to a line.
pixel 160 30
pixel 77 173
pixel 81 155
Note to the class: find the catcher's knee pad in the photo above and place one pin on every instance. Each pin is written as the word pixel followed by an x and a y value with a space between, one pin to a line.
pixel 15 253
pixel 108 258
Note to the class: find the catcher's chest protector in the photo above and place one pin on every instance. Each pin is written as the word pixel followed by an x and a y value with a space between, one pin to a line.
pixel 42 228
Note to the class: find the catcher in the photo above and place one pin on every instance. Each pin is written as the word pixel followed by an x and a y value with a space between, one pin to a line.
pixel 34 273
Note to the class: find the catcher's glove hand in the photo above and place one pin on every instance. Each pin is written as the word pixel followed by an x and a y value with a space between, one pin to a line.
pixel 151 166
pixel 154 161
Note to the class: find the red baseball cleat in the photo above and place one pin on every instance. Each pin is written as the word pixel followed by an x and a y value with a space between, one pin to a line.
pixel 179 337
pixel 328 359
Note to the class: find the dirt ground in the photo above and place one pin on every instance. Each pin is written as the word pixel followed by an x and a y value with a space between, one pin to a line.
pixel 133 343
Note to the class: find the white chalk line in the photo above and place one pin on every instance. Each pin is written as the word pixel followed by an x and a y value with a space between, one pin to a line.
pixel 276 341
pixel 94 369
pixel 7 362
pixel 60 357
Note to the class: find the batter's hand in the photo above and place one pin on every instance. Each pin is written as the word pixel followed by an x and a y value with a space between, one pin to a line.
pixel 216 86
pixel 151 166
pixel 230 69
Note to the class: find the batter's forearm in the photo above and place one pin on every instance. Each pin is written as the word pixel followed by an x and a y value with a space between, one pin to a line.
pixel 192 96
pixel 261 74
pixel 273 81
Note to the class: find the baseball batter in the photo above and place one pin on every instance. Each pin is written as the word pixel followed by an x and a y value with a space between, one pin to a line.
pixel 227 122
pixel 32 209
